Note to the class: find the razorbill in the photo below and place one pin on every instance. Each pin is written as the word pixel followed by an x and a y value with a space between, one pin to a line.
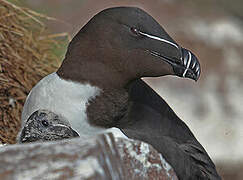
pixel 99 86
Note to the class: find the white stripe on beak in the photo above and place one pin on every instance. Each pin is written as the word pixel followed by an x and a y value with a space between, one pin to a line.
pixel 194 64
pixel 159 39
pixel 188 64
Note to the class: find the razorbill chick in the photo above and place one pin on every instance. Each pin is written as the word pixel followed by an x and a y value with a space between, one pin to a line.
pixel 44 125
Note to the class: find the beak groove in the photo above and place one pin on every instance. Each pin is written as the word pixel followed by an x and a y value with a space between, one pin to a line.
pixel 187 66
pixel 191 64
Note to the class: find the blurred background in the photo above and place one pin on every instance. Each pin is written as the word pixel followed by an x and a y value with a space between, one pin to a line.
pixel 213 30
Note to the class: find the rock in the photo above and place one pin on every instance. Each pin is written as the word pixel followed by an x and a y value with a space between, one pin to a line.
pixel 100 157
pixel 93 158
pixel 142 161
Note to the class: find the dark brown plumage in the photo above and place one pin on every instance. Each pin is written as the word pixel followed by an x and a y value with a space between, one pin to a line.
pixel 112 52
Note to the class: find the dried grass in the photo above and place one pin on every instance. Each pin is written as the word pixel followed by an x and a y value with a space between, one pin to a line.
pixel 25 57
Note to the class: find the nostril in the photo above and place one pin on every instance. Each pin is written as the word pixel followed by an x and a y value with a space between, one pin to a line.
pixel 134 31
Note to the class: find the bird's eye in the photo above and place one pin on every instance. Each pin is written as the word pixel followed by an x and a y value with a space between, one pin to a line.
pixel 135 31
pixel 45 123
pixel 42 114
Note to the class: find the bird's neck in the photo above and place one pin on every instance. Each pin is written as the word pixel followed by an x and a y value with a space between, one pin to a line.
pixel 109 108
pixel 95 73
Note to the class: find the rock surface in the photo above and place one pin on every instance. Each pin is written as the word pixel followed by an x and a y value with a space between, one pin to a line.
pixel 94 158
pixel 142 161
pixel 100 157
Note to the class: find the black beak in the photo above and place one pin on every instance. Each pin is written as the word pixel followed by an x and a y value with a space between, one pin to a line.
pixel 74 133
pixel 189 66
pixel 185 64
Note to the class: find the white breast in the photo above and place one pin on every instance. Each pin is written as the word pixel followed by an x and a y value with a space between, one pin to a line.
pixel 66 98
pixel 63 97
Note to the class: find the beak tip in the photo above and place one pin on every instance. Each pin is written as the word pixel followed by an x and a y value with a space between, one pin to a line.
pixel 192 69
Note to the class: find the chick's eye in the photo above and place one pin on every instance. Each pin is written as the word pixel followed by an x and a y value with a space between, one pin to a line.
pixel 134 30
pixel 45 123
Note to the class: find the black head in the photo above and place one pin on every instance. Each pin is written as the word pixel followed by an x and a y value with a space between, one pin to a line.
pixel 125 43
pixel 44 125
